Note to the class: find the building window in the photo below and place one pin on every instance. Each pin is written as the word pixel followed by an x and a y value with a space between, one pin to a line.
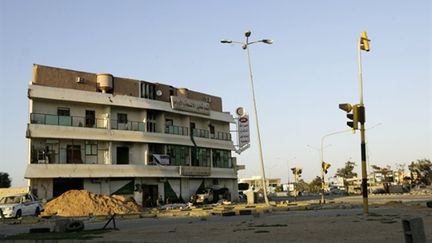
pixel 221 158
pixel 148 91
pixel 179 155
pixel 61 111
pixel 151 121
pixel 91 148
pixel 212 131
pixel 172 91
pixel 122 118
pixel 202 157
pixel 90 118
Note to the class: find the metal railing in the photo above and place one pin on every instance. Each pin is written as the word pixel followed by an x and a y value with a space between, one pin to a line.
pixel 202 133
pixel 130 125
pixel 71 121
pixel 221 136
pixel 176 130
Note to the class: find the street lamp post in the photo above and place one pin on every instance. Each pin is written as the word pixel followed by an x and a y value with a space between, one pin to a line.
pixel 245 46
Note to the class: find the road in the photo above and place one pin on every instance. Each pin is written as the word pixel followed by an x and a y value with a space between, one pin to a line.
pixel 383 224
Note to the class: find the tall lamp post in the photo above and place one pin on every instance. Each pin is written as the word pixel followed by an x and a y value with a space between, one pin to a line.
pixel 245 46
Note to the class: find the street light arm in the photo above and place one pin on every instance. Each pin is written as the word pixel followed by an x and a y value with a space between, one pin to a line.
pixel 224 41
pixel 323 137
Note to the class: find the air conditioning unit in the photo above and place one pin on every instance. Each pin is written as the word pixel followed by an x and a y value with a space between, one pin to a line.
pixel 79 80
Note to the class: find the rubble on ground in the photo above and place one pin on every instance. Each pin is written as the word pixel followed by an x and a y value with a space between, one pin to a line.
pixel 84 203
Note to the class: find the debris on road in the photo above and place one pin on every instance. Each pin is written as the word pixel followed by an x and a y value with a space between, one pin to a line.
pixel 84 203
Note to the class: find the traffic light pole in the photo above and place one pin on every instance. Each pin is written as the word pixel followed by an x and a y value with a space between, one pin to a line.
pixel 322 161
pixel 362 135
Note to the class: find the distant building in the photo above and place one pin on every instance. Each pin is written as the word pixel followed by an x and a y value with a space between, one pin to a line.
pixel 113 135
pixel 256 182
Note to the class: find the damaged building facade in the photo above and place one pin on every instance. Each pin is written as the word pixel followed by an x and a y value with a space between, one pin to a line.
pixel 112 135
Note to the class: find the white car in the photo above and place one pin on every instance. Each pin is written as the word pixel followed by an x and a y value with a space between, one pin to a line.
pixel 18 205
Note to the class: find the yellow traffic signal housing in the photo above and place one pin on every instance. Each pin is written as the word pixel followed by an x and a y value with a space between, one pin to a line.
pixel 345 107
pixel 364 41
pixel 325 166
pixel 353 114
pixel 354 117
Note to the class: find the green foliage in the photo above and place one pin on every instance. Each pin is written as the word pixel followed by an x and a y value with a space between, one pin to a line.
pixel 301 186
pixel 421 171
pixel 386 171
pixel 315 185
pixel 347 171
pixel 5 181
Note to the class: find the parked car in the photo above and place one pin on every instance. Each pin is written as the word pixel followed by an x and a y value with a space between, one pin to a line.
pixel 18 205
pixel 205 196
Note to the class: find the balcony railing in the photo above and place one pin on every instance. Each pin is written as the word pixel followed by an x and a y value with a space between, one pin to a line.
pixel 221 136
pixel 201 133
pixel 177 130
pixel 71 121
pixel 130 125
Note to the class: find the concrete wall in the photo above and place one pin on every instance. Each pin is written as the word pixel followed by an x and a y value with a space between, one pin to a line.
pixel 65 78
pixel 76 109
pixel 136 152
pixel 43 187
pixel 12 190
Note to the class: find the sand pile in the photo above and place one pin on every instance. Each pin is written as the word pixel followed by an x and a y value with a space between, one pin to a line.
pixel 84 203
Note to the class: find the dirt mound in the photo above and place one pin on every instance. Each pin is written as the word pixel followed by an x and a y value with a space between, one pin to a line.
pixel 84 203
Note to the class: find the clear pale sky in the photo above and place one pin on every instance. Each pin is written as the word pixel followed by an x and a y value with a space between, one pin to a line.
pixel 299 80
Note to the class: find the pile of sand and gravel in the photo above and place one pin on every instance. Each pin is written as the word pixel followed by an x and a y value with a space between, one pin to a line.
pixel 84 203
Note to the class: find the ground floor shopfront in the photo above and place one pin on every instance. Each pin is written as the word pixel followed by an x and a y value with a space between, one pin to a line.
pixel 148 192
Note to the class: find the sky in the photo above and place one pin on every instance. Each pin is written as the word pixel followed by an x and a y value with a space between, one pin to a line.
pixel 299 80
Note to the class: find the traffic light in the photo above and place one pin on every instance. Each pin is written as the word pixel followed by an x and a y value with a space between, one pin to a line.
pixel 296 171
pixel 325 166
pixel 352 116
pixel 364 41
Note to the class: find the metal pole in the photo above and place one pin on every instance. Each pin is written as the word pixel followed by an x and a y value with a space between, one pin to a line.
pixel 322 160
pixel 257 126
pixel 362 137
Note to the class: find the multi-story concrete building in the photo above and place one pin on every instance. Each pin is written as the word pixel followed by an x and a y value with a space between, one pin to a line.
pixel 113 135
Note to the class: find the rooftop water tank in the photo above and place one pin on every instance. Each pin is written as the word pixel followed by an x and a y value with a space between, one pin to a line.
pixel 105 82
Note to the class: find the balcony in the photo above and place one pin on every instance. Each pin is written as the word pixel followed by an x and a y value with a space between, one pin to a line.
pixel 221 136
pixel 121 171
pixel 129 125
pixel 201 133
pixel 70 121
pixel 176 130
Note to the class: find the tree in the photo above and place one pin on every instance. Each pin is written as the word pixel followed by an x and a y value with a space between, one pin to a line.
pixel 301 186
pixel 5 181
pixel 315 185
pixel 421 171
pixel 347 173
pixel 386 172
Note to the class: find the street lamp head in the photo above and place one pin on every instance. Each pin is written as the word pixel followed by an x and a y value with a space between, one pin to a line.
pixel 226 41
pixel 244 46
pixel 248 33
pixel 268 41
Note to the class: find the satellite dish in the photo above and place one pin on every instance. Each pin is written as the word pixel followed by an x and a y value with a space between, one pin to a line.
pixel 158 92
pixel 240 111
